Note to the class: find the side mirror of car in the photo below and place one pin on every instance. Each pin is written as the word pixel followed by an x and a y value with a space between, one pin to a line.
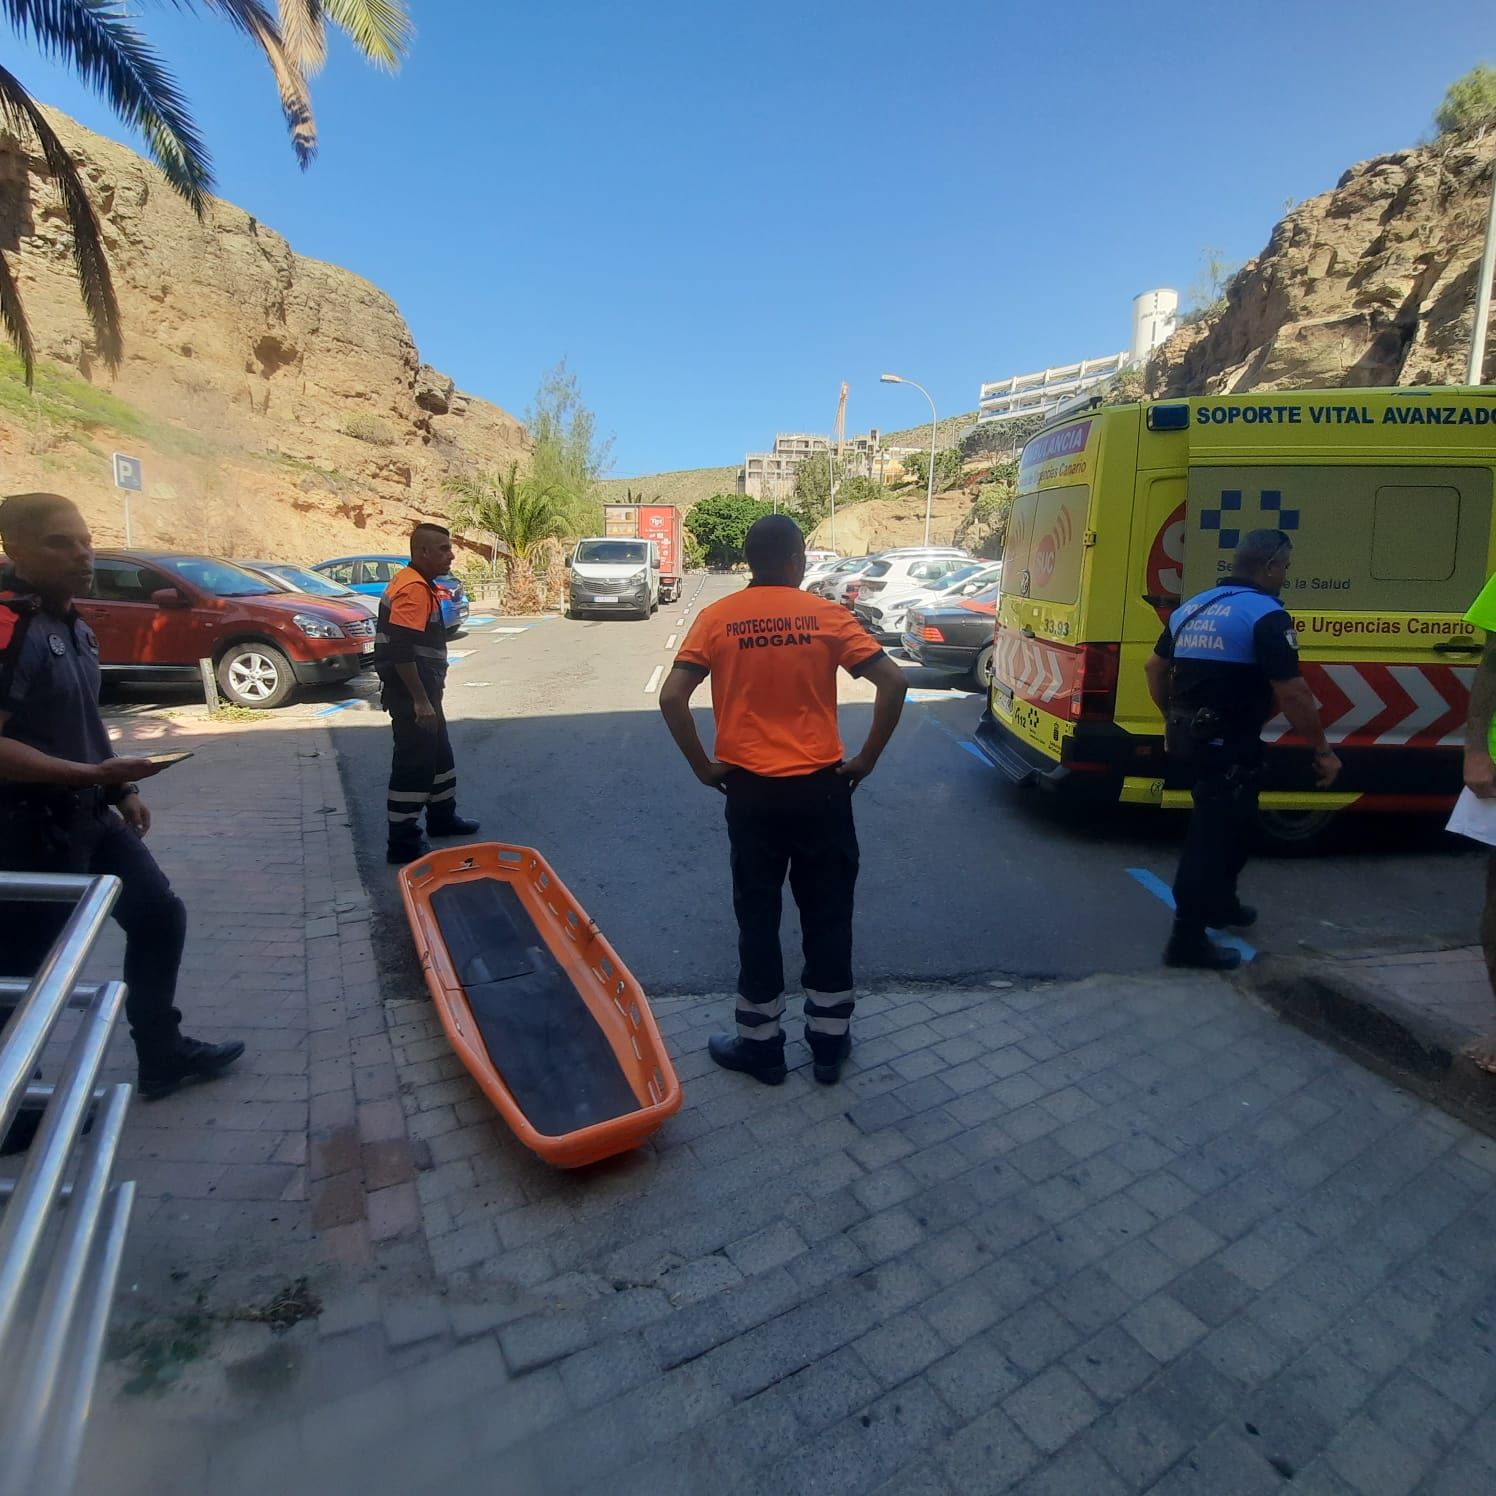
pixel 567 563
pixel 169 597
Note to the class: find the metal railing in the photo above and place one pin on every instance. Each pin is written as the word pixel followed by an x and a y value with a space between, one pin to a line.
pixel 63 1223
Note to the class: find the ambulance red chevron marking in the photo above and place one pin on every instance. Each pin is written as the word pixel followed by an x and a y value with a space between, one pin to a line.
pixel 1420 706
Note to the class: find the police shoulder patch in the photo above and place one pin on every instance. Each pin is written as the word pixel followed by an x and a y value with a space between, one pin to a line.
pixel 1292 636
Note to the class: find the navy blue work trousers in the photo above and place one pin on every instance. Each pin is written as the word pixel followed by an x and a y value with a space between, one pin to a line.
pixel 153 918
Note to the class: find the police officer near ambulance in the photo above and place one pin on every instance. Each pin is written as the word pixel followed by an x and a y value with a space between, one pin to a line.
pixel 67 803
pixel 1226 663
pixel 410 658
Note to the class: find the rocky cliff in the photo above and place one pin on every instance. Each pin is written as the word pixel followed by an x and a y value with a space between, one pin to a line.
pixel 1371 284
pixel 279 404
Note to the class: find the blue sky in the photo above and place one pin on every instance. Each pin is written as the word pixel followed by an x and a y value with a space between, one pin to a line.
pixel 718 213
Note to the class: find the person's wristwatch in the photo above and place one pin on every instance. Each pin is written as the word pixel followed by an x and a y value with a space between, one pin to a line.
pixel 119 792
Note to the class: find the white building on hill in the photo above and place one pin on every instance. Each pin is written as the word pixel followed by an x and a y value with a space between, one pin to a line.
pixel 1155 315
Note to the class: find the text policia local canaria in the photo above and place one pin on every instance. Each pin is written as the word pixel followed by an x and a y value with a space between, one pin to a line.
pixel 773 633
pixel 1345 415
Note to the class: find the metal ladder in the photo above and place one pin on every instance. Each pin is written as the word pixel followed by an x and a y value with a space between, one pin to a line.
pixel 62 1222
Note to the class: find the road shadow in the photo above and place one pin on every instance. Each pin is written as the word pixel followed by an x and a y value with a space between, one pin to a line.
pixel 963 874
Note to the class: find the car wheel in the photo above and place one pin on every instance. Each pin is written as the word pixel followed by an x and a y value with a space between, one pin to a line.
pixel 1294 833
pixel 981 670
pixel 255 675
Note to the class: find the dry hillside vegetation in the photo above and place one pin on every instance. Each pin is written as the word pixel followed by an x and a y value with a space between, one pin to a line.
pixel 279 404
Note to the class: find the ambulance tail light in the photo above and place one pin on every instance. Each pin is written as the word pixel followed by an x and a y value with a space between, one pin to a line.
pixel 1094 698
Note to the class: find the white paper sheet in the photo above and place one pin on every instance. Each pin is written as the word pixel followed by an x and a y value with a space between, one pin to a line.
pixel 1474 818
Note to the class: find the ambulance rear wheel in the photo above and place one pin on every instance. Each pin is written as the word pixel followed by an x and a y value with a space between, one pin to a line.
pixel 1294 832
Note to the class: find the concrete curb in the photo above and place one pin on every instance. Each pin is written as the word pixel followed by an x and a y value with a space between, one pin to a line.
pixel 1421 1050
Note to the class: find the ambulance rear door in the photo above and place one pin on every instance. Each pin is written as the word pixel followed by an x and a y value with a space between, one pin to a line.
pixel 1042 670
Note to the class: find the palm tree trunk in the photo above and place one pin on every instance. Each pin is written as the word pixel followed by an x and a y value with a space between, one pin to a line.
pixel 522 595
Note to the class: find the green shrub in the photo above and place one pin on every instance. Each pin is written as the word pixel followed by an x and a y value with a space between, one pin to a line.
pixel 364 426
pixel 1470 103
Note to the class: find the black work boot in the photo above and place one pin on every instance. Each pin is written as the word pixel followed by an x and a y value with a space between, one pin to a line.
pixel 827 1055
pixel 163 1071
pixel 449 825
pixel 1238 917
pixel 763 1059
pixel 406 849
pixel 1192 947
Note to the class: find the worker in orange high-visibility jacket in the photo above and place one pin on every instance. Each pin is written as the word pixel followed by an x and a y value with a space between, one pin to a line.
pixel 410 658
pixel 773 652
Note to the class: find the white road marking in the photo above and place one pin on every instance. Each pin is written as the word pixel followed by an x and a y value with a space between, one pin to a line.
pixel 523 628
pixel 670 642
pixel 654 680
pixel 471 683
pixel 680 620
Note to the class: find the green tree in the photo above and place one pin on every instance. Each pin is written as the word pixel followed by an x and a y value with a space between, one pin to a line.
pixel 1470 103
pixel 1206 296
pixel 985 527
pixel 721 524
pixel 947 468
pixel 568 457
pixel 101 42
pixel 858 489
pixel 521 514
pixel 999 438
pixel 812 493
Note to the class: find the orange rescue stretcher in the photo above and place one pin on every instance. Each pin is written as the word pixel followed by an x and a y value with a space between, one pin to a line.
pixel 547 1019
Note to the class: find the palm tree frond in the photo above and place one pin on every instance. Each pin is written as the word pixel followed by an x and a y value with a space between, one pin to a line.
pixel 304 33
pixel 380 29
pixel 256 22
pixel 21 113
pixel 110 55
pixel 13 315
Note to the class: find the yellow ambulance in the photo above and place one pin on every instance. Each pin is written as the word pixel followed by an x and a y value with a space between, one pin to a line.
pixel 1123 511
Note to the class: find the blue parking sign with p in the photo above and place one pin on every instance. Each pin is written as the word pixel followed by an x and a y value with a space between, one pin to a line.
pixel 127 473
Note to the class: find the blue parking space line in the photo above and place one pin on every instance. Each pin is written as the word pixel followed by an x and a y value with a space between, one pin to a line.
pixel 976 753
pixel 1165 895
pixel 337 706
pixel 478 621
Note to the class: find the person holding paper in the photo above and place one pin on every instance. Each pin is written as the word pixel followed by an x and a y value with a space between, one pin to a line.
pixel 1480 780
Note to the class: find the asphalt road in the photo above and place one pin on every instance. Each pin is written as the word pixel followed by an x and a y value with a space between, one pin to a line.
pixel 560 746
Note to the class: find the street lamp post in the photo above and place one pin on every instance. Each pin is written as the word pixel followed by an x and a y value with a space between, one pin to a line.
pixel 934 432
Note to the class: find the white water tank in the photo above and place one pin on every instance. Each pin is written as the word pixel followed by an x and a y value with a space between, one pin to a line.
pixel 1154 317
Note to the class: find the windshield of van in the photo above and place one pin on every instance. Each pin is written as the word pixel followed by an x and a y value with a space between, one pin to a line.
pixel 221 578
pixel 613 552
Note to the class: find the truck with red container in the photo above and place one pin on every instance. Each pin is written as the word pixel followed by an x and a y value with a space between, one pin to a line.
pixel 660 523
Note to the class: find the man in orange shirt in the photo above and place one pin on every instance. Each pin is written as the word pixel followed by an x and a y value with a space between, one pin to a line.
pixel 772 652
pixel 410 658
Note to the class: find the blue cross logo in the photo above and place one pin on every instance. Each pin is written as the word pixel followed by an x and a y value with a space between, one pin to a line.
pixel 1226 520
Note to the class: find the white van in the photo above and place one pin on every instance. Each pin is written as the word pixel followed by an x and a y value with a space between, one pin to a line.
pixel 614 576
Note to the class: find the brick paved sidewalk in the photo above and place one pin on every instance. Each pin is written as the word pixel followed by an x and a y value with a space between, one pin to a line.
pixel 1412 1013
pixel 1116 1236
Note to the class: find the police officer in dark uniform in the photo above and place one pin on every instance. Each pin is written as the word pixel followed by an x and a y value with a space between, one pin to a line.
pixel 1226 663
pixel 410 658
pixel 67 804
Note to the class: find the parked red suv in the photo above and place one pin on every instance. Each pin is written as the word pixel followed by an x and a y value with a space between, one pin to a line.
pixel 157 614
